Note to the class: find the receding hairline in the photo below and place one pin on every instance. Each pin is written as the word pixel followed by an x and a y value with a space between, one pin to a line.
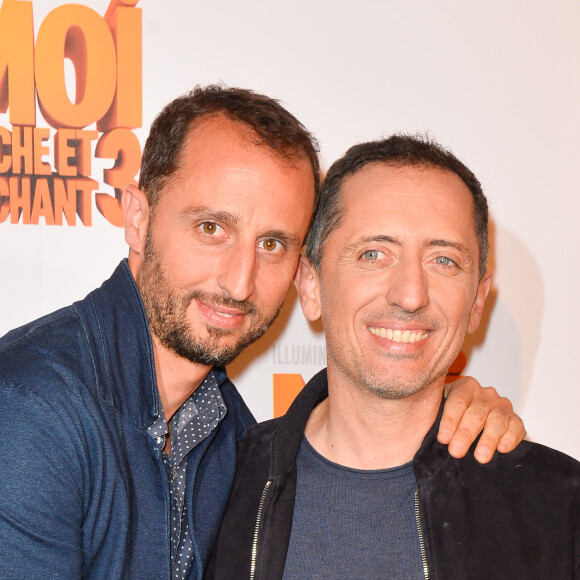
pixel 248 136
pixel 401 164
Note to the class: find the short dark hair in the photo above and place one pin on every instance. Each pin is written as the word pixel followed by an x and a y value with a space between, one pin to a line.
pixel 271 124
pixel 398 151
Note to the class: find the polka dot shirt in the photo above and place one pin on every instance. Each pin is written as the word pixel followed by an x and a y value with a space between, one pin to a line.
pixel 190 425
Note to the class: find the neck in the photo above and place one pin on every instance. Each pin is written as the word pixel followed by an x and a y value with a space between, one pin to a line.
pixel 358 429
pixel 177 378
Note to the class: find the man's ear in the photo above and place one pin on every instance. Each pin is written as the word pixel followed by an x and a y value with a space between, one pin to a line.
pixel 308 288
pixel 137 212
pixel 478 305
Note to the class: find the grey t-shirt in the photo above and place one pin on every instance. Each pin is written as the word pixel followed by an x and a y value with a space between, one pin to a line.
pixel 351 523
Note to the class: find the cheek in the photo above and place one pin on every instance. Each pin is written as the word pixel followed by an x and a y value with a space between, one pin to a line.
pixel 343 302
pixel 454 300
pixel 272 284
pixel 190 268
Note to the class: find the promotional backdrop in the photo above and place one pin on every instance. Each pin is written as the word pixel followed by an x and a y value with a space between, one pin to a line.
pixel 495 81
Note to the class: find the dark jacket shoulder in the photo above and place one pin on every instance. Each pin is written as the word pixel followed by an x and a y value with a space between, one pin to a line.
pixel 516 517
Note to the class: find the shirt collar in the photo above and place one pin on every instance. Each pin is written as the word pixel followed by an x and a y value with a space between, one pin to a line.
pixel 206 401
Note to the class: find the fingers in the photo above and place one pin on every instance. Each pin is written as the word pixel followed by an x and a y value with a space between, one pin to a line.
pixel 473 408
pixel 515 434
pixel 496 425
pixel 496 435
pixel 460 394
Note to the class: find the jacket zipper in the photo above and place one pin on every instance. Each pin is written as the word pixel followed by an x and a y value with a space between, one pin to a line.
pixel 257 530
pixel 421 537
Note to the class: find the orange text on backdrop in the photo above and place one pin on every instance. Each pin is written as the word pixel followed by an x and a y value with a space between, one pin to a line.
pixel 106 52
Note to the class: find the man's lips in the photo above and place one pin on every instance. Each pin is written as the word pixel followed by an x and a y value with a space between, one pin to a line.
pixel 221 315
pixel 398 335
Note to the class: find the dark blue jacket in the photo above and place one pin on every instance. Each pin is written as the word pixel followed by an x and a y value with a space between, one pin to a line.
pixel 83 491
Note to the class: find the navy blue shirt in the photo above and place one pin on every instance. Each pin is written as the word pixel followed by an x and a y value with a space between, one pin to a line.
pixel 352 523
pixel 192 423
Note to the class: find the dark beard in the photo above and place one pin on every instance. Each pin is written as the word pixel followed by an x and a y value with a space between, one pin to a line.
pixel 167 315
pixel 178 338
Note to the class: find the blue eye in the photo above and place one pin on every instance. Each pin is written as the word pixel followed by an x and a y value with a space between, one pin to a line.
pixel 444 261
pixel 371 255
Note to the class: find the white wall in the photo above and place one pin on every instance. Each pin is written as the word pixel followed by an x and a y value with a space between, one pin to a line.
pixel 496 81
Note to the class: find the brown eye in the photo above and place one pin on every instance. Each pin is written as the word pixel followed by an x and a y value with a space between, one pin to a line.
pixel 209 228
pixel 270 245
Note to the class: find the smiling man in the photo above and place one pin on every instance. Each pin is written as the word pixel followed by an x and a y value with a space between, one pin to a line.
pixel 352 482
pixel 120 425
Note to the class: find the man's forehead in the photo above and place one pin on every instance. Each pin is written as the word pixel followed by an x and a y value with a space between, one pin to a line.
pixel 382 199
pixel 391 174
pixel 382 186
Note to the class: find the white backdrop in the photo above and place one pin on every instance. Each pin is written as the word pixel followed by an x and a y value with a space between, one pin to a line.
pixel 495 81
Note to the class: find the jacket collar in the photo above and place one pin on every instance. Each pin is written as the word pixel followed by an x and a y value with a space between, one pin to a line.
pixel 290 431
pixel 115 322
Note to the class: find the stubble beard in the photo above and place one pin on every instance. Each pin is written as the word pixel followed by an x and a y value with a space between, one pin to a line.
pixel 166 310
pixel 392 385
pixel 398 387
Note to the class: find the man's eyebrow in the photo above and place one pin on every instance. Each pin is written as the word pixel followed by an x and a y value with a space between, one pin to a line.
pixel 364 240
pixel 207 213
pixel 449 244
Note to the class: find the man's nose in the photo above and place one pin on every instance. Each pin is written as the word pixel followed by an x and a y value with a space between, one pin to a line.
pixel 408 286
pixel 238 272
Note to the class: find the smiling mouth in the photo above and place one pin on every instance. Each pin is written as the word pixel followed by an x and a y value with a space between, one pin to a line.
pixel 402 336
pixel 225 314
pixel 221 315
